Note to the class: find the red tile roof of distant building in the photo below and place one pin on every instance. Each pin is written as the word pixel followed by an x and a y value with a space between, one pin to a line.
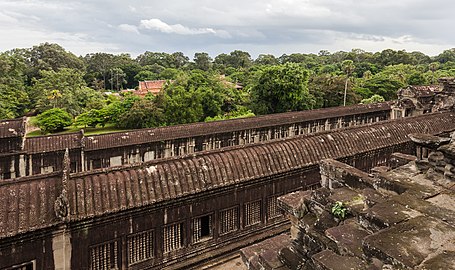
pixel 153 87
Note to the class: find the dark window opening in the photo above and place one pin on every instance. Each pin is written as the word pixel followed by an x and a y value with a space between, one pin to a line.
pixel 202 228
pixel 205 226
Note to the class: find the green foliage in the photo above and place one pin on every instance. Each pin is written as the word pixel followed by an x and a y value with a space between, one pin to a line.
pixel 54 120
pixel 281 88
pixel 13 97
pixel 194 96
pixel 373 99
pixel 182 106
pixel 143 114
pixel 241 113
pixel 339 210
pixel 65 88
pixel 91 118
pixel 384 85
pixel 47 76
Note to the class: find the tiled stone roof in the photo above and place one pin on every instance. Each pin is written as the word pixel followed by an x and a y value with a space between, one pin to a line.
pixel 12 128
pixel 27 203
pixel 50 143
pixel 105 191
pixel 198 129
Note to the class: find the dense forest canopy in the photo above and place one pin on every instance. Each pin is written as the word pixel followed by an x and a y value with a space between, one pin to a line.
pixel 46 77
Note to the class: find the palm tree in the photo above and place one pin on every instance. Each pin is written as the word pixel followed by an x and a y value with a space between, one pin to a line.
pixel 348 67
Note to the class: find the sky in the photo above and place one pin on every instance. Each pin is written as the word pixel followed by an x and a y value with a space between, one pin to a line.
pixel 257 26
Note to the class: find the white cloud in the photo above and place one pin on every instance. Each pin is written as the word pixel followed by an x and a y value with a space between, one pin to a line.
pixel 129 28
pixel 266 26
pixel 158 25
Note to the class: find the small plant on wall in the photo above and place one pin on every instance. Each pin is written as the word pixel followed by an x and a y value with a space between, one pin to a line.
pixel 339 210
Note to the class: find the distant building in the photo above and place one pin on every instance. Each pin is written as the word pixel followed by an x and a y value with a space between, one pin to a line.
pixel 153 87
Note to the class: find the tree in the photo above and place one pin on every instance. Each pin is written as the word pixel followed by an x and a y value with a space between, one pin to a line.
pixel 196 95
pixel 433 67
pixel 13 97
pixel 446 56
pixel 91 118
pixel 98 65
pixel 150 58
pixel 64 88
pixel 117 79
pixel 202 61
pixel 348 68
pixel 373 99
pixel 48 56
pixel 383 85
pixel 182 106
pixel 54 120
pixel 281 88
pixel 143 114
pixel 178 60
pixel 266 59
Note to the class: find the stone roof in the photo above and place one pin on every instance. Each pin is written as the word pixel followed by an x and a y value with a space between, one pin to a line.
pixel 60 142
pixel 12 128
pixel 27 203
pixel 50 143
pixel 153 87
pixel 111 190
pixel 199 129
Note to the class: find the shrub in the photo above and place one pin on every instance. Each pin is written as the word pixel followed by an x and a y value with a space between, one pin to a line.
pixel 54 120
pixel 339 210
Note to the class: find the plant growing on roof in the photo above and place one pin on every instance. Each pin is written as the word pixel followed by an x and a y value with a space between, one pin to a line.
pixel 339 210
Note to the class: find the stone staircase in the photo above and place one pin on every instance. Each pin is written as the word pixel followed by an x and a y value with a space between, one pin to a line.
pixel 394 221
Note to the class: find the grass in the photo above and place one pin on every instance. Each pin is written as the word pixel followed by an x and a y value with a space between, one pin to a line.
pixel 87 131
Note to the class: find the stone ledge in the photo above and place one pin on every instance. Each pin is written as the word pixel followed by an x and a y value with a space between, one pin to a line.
pixel 409 243
pixel 329 260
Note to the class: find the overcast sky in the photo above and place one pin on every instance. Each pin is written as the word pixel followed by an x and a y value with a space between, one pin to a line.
pixel 213 26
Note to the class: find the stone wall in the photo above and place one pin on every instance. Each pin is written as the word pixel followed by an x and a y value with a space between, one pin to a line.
pixel 398 218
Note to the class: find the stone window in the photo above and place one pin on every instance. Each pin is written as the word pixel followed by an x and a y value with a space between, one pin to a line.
pixel 217 144
pixel 205 146
pixel 149 155
pixel 47 169
pixel 140 247
pixel 296 129
pixel 202 228
pixel 272 207
pixel 23 266
pixel 115 161
pixel 231 142
pixel 173 237
pixel 253 213
pixel 96 163
pixel 182 150
pixel 104 256
pixel 229 220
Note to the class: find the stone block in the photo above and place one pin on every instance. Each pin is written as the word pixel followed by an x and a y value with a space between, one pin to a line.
pixel 329 260
pixel 410 243
pixel 348 238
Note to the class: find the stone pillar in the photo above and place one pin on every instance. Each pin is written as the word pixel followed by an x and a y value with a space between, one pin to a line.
pixel 419 152
pixel 22 166
pixel 61 248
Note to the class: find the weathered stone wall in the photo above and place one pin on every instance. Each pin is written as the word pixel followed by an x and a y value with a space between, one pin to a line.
pixel 392 219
